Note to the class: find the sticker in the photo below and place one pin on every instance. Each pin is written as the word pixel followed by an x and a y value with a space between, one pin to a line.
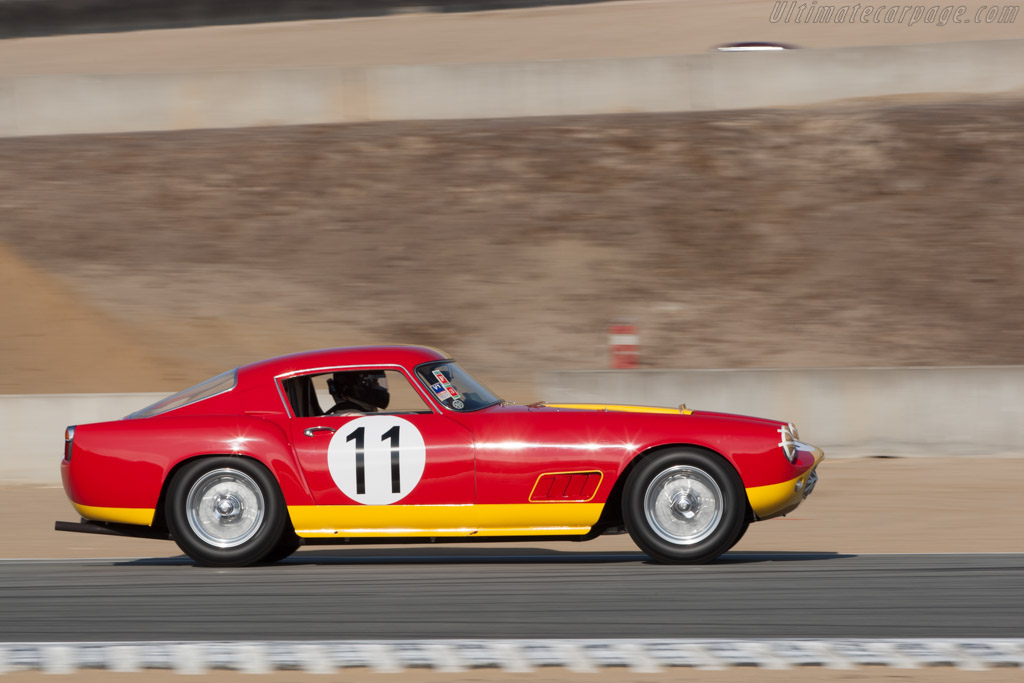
pixel 445 383
pixel 458 405
pixel 377 460
pixel 439 391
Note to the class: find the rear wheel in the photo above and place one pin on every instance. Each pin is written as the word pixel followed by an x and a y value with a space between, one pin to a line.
pixel 225 512
pixel 684 506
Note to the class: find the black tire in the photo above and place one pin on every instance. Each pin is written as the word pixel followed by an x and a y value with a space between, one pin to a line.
pixel 287 544
pixel 684 506
pixel 743 531
pixel 225 511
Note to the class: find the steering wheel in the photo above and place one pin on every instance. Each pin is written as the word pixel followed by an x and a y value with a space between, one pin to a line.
pixel 338 409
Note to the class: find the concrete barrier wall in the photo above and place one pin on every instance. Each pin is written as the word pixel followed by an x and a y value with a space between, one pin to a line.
pixel 32 429
pixel 24 18
pixel 884 411
pixel 855 411
pixel 105 103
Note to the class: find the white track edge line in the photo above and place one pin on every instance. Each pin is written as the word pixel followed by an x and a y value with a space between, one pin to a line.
pixel 511 655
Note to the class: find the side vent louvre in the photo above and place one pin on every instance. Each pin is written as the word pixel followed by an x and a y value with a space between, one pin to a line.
pixel 566 487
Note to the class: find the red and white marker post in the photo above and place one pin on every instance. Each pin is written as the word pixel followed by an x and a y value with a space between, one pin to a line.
pixel 622 345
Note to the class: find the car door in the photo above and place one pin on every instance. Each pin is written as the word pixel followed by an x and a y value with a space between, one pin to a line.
pixel 540 472
pixel 404 470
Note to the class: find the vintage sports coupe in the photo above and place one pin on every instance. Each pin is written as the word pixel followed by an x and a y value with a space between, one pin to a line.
pixel 400 444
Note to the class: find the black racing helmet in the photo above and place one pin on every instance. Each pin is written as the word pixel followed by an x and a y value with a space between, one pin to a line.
pixel 366 388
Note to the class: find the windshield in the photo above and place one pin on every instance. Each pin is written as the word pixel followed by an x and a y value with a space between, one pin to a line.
pixel 454 388
pixel 211 387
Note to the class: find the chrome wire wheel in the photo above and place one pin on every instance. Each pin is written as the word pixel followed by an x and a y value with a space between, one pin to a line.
pixel 683 505
pixel 225 508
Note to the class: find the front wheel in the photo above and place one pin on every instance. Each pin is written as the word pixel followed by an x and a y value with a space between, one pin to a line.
pixel 684 506
pixel 225 512
pixel 743 531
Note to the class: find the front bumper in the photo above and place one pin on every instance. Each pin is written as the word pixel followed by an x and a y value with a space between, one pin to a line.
pixel 775 500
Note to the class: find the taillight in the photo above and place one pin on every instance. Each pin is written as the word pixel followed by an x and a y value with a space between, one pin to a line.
pixel 69 438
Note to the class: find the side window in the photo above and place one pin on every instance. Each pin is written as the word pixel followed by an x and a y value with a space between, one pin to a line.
pixel 403 398
pixel 352 392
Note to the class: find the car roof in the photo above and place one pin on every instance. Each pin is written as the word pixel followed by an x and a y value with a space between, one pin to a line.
pixel 295 363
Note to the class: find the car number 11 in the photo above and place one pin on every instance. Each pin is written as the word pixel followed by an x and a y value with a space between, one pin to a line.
pixel 377 460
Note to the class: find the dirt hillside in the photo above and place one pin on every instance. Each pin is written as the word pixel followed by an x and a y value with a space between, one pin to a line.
pixel 48 332
pixel 865 233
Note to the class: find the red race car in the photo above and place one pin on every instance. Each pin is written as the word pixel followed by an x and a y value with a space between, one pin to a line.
pixel 399 443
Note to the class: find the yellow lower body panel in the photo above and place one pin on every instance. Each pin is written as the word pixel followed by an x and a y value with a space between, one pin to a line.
pixel 142 516
pixel 537 519
pixel 529 519
pixel 779 499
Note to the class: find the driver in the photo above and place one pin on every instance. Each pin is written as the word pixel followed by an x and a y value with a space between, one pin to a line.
pixel 364 391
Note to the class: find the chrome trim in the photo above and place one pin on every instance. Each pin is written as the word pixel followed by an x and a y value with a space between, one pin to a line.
pixel 284 399
pixel 789 444
pixel 225 508
pixel 234 385
pixel 683 505
pixel 812 480
pixel 278 379
pixel 312 430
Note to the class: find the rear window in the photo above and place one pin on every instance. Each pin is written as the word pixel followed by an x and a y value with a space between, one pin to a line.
pixel 211 387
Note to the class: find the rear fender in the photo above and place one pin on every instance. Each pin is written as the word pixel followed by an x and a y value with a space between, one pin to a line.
pixel 126 464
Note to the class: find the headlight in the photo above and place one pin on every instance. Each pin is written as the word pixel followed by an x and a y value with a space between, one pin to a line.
pixel 789 441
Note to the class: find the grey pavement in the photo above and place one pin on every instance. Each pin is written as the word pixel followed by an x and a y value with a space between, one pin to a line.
pixel 520 593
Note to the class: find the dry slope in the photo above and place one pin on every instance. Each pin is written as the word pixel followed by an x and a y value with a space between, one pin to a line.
pixel 871 233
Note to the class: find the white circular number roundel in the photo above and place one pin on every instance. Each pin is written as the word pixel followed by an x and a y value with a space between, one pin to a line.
pixel 377 460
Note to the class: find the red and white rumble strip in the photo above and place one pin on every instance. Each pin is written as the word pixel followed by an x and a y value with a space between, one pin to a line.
pixel 585 655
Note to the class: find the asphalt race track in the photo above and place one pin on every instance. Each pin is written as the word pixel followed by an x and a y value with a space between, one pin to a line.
pixel 451 592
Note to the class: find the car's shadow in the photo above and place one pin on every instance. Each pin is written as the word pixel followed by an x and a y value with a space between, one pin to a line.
pixel 470 556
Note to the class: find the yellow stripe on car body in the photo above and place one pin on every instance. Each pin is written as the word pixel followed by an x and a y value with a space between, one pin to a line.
pixel 681 410
pixel 142 516
pixel 527 519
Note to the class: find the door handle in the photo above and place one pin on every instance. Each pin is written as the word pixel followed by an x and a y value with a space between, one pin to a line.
pixel 312 430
